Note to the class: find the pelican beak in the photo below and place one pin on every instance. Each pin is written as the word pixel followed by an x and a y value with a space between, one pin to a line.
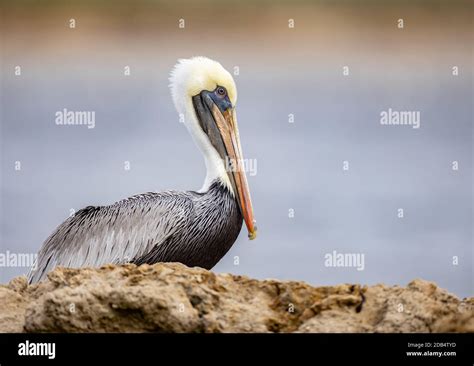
pixel 218 120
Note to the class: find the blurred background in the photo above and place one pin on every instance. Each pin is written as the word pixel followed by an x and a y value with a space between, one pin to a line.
pixel 281 71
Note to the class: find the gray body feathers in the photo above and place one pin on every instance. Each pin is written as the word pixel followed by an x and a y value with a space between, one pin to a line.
pixel 196 229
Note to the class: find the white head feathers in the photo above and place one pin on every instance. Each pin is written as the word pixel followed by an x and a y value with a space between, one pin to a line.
pixel 191 76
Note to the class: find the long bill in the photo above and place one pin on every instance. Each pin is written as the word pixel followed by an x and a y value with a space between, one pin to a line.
pixel 223 133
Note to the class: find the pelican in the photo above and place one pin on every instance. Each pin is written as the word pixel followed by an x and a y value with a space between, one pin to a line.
pixel 196 228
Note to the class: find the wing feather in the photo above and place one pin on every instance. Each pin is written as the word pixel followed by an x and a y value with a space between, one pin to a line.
pixel 118 233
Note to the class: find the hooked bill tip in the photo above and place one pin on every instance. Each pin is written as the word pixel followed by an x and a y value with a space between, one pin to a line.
pixel 253 234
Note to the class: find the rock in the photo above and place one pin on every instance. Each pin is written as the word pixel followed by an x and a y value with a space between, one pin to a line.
pixel 170 297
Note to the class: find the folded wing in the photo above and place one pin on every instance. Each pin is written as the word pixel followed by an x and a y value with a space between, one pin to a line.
pixel 118 233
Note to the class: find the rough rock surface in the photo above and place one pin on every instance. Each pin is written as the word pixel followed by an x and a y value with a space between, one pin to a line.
pixel 173 298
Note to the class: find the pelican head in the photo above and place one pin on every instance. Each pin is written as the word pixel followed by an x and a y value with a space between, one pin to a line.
pixel 205 94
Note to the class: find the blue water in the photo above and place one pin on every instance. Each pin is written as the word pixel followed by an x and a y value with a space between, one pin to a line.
pixel 299 165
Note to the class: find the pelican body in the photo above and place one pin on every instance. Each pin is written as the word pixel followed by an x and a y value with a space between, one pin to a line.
pixel 196 228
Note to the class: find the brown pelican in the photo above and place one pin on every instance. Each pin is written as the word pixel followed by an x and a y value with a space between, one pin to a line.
pixel 194 228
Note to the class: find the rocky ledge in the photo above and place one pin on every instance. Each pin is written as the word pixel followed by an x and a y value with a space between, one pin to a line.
pixel 170 297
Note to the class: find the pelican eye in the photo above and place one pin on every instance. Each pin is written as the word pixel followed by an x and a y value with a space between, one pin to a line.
pixel 221 91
